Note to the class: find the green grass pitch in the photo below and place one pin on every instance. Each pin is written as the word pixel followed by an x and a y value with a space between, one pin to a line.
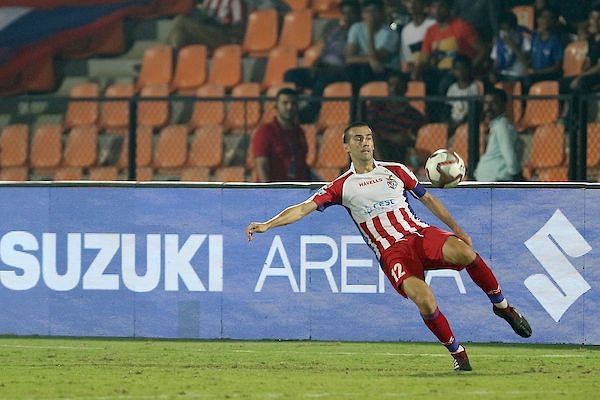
pixel 53 368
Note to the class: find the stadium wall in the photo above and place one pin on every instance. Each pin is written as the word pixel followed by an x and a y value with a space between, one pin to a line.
pixel 173 261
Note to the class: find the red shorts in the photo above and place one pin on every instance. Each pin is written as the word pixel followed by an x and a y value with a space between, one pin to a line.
pixel 415 254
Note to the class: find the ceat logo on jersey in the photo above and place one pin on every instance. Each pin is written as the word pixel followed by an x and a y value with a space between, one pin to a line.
pixel 391 182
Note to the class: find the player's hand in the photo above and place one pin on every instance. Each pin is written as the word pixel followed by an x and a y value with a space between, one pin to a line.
pixel 255 227
pixel 464 237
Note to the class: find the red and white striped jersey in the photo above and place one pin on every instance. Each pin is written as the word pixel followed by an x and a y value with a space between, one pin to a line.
pixel 377 202
pixel 227 12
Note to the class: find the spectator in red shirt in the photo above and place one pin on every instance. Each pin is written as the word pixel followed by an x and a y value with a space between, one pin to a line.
pixel 279 146
pixel 443 41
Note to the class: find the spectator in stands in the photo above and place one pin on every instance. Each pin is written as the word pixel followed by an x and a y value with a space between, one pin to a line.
pixel 482 14
pixel 213 23
pixel 395 124
pixel 510 50
pixel 546 54
pixel 279 146
pixel 500 162
pixel 590 77
pixel 465 86
pixel 372 48
pixel 217 23
pixel 331 65
pixel 449 37
pixel 413 34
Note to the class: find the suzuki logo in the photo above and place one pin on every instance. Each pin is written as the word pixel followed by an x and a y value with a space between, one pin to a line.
pixel 548 245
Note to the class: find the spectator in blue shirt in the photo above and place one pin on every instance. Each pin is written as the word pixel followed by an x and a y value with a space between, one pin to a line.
pixel 546 54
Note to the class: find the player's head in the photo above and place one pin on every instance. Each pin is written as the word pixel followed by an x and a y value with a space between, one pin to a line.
pixel 286 105
pixel 358 142
pixel 462 67
pixel 508 21
pixel 417 7
pixel 494 103
pixel 397 84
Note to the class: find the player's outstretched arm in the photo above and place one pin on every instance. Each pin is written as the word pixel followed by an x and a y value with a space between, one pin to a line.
pixel 288 216
pixel 438 209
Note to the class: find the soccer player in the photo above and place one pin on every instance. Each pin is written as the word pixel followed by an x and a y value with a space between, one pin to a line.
pixel 375 194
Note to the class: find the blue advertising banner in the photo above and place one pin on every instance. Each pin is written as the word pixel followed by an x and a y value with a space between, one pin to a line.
pixel 174 262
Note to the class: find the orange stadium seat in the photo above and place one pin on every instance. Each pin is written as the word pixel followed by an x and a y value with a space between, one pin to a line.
pixel 157 66
pixel 143 155
pixel 153 113
pixel 81 147
pixel 297 30
pixel 547 148
pixel 593 145
pixel 144 174
pixel 312 54
pixel 46 147
pixel 269 105
pixel 190 71
pixel 525 16
pixel 461 141
pixel 230 174
pixel 207 147
pixel 416 89
pixel 555 174
pixel 430 138
pixel 243 115
pixel 172 147
pixel 17 174
pixel 195 174
pixel 540 112
pixel 104 174
pixel 207 112
pixel 335 112
pixel 226 66
pixel 14 146
pixel 374 89
pixel 261 32
pixel 82 112
pixel 331 151
pixel 115 114
pixel 310 132
pixel 280 60
pixel 574 58
pixel 68 174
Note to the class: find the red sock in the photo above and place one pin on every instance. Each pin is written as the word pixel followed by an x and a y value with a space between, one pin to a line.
pixel 483 276
pixel 438 324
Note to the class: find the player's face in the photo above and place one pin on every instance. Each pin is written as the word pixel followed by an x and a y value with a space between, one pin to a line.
pixel 287 108
pixel 360 143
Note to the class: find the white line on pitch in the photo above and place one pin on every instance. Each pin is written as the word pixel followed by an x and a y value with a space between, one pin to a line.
pixel 22 346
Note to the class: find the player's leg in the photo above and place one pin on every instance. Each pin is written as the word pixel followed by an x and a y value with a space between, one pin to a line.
pixel 457 252
pixel 421 294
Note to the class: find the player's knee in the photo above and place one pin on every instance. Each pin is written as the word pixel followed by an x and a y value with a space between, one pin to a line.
pixel 455 251
pixel 425 302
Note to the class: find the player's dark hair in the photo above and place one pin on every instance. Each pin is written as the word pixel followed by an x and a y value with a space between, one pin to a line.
pixel 286 92
pixel 351 126
pixel 499 95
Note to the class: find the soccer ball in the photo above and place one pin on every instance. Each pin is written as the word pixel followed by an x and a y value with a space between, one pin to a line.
pixel 445 168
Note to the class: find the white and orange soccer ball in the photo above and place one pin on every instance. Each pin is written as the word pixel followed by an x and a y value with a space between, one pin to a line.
pixel 445 168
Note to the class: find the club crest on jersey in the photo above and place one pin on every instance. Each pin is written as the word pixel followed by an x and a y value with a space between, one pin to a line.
pixel 391 182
